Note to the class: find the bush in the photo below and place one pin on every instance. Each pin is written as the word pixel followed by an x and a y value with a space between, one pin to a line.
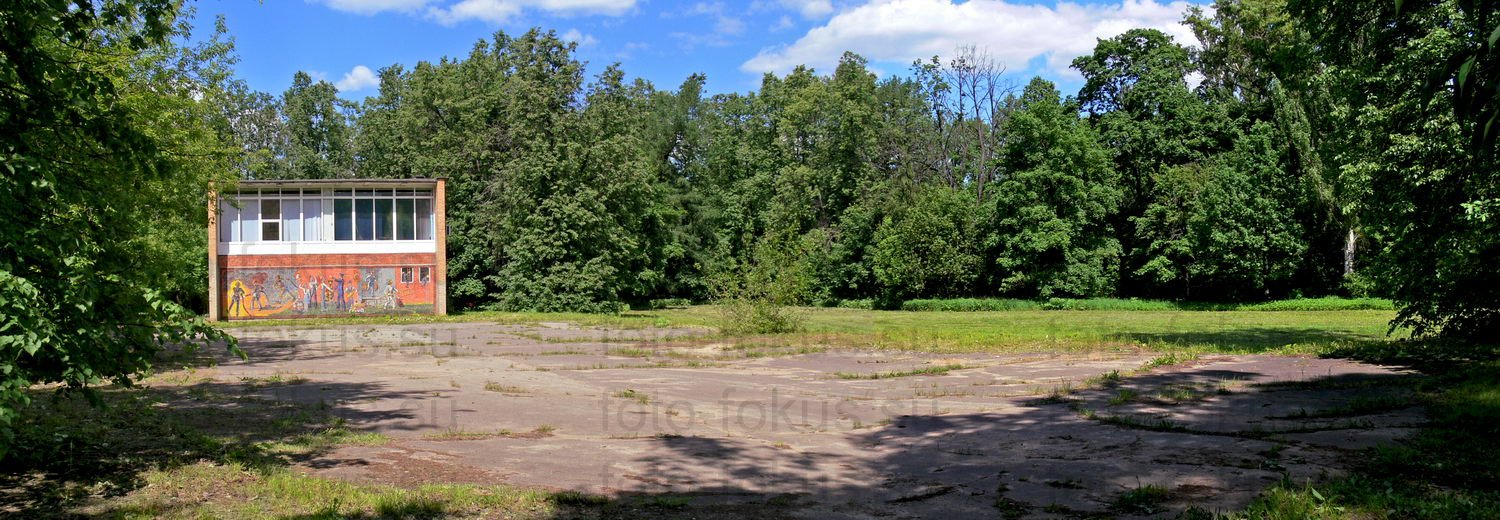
pixel 668 303
pixel 969 305
pixel 1322 304
pixel 757 297
pixel 861 304
pixel 1109 304
pixel 1121 304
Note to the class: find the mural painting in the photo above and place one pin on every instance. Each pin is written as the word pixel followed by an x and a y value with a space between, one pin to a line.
pixel 334 291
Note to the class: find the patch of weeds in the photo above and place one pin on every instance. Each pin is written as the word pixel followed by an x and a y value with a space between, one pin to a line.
pixel 1143 500
pixel 1124 396
pixel 637 396
pixel 935 370
pixel 1137 423
pixel 464 435
pixel 1168 359
pixel 1354 408
pixel 1071 483
pixel 504 389
pixel 1107 379
pixel 630 352
pixel 1010 508
pixel 545 429
pixel 278 379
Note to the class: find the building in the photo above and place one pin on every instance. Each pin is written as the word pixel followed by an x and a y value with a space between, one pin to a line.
pixel 301 248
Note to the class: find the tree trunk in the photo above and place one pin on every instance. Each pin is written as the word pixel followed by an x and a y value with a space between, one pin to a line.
pixel 1349 246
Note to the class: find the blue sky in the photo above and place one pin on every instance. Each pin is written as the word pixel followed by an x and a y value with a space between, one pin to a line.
pixel 734 43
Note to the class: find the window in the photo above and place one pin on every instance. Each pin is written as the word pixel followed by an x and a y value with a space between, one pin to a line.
pixel 250 220
pixel 385 225
pixel 424 219
pixel 312 219
pixel 291 220
pixel 406 275
pixel 424 275
pixel 364 219
pixel 229 221
pixel 405 219
pixel 343 219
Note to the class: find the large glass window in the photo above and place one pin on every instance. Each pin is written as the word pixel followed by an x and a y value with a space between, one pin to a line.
pixel 424 219
pixel 406 226
pixel 229 221
pixel 343 219
pixel 385 227
pixel 250 220
pixel 312 220
pixel 364 219
pixel 291 220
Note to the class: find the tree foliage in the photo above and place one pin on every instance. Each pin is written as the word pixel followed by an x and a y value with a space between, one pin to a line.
pixel 111 136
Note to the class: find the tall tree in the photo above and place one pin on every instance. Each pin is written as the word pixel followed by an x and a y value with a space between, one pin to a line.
pixel 318 131
pixel 92 144
pixel 1052 233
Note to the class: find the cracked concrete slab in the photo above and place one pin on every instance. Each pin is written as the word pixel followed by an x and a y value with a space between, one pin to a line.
pixel 625 412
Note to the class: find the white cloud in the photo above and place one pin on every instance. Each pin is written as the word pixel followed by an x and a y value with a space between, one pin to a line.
pixel 492 11
pixel 906 30
pixel 583 40
pixel 783 24
pixel 375 6
pixel 729 25
pixel 357 79
pixel 810 9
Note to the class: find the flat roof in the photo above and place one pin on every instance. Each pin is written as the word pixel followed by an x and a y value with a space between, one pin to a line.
pixel 330 183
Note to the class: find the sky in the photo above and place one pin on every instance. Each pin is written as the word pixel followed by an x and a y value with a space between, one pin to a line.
pixel 734 43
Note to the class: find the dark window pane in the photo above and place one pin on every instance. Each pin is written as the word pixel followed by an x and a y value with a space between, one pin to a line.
pixel 343 219
pixel 424 219
pixel 406 225
pixel 364 219
pixel 385 228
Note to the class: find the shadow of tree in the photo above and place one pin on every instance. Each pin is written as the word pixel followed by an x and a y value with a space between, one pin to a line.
pixel 68 452
pixel 1251 339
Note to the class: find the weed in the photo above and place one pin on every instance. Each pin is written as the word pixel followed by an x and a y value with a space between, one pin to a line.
pixel 1143 500
pixel 504 389
pixel 629 393
pixel 935 370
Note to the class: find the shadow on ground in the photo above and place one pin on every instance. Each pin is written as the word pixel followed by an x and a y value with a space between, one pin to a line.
pixel 1155 444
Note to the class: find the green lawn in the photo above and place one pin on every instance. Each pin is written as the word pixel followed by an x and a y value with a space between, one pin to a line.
pixel 1000 331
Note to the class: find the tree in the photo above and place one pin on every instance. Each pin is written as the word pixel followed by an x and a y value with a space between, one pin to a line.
pixel 86 154
pixel 1426 171
pixel 1051 228
pixel 1225 229
pixel 317 127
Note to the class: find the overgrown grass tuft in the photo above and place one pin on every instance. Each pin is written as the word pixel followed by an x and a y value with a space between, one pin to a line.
pixel 935 370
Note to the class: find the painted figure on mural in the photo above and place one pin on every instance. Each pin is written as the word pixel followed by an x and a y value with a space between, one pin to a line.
pixel 257 297
pixel 370 282
pixel 284 291
pixel 388 299
pixel 237 299
pixel 338 292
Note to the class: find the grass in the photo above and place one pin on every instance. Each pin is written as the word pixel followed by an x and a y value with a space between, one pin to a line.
pixel 935 370
pixel 1185 333
pixel 1143 500
pixel 1449 469
pixel 632 394
pixel 1122 304
pixel 504 389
